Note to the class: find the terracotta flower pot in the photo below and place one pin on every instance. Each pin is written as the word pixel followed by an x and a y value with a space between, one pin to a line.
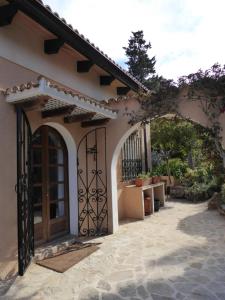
pixel 150 180
pixel 139 182
pixel 156 179
pixel 142 182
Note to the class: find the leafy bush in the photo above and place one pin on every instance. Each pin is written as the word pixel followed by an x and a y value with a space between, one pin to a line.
pixel 201 174
pixel 202 191
pixel 176 166
pixel 197 192
pixel 143 175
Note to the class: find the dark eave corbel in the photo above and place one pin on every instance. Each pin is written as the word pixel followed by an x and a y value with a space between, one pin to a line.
pixel 53 46
pixel 58 111
pixel 97 122
pixel 84 66
pixel 79 118
pixel 123 90
pixel 7 13
pixel 106 79
pixel 46 18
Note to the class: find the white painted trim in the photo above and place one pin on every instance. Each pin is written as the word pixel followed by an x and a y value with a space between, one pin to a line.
pixel 72 169
pixel 116 154
pixel 45 90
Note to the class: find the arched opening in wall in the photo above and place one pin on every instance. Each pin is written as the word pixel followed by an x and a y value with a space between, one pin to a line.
pixel 92 183
pixel 130 163
pixel 125 156
pixel 54 183
pixel 186 156
pixel 49 185
pixel 197 165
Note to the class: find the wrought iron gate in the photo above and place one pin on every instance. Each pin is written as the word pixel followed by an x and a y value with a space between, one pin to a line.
pixel 23 189
pixel 92 184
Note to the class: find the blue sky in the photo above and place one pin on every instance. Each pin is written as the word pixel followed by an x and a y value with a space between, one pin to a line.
pixel 185 34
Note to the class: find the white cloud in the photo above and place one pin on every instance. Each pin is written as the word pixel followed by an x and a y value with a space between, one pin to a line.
pixel 185 34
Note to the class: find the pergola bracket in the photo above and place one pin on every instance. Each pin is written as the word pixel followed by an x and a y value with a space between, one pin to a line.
pixel 97 122
pixel 57 111
pixel 79 118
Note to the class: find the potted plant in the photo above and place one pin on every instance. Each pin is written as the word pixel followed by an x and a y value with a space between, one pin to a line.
pixel 156 176
pixel 142 179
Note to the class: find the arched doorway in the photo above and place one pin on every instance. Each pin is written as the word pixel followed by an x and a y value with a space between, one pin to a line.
pixel 50 185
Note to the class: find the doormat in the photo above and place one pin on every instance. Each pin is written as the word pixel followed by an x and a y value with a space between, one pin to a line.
pixel 65 259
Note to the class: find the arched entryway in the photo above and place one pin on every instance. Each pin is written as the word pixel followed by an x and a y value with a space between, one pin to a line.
pixel 50 184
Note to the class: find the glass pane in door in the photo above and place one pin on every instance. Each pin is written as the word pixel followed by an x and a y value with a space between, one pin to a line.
pixel 55 156
pixel 37 214
pixel 56 192
pixel 56 174
pixel 57 210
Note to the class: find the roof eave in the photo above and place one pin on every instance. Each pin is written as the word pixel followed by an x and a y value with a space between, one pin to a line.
pixel 55 25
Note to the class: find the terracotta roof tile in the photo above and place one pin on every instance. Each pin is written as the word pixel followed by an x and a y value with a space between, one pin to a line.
pixel 26 86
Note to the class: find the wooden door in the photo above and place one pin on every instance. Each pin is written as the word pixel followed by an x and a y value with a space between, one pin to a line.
pixel 50 185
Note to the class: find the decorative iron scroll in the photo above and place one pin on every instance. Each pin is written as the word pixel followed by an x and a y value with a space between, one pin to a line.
pixel 92 184
pixel 23 189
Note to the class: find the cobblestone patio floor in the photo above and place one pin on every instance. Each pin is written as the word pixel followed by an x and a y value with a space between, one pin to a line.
pixel 179 253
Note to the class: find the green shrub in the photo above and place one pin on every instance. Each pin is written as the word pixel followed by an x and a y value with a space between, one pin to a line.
pixel 202 191
pixel 197 192
pixel 176 165
pixel 143 175
pixel 201 174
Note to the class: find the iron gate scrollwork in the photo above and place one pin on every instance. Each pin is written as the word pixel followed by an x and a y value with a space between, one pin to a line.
pixel 23 189
pixel 92 184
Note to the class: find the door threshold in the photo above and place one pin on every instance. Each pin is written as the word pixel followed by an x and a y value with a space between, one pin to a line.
pixel 48 249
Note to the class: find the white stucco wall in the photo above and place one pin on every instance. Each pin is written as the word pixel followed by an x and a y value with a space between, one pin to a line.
pixel 8 198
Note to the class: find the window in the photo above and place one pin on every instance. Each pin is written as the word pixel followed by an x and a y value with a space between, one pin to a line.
pixel 132 156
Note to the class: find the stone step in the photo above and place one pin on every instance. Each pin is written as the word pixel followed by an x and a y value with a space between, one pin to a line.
pixel 51 248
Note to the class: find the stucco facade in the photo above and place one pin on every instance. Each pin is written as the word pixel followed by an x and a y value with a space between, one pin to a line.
pixel 23 60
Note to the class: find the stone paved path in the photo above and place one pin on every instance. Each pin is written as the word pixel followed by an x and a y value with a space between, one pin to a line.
pixel 179 253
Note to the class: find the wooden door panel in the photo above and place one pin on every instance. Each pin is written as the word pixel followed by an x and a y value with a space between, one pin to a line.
pixel 51 184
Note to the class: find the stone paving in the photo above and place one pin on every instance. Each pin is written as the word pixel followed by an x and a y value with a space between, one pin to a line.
pixel 178 253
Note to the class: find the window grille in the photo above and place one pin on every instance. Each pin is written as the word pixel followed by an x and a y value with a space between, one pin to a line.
pixel 132 156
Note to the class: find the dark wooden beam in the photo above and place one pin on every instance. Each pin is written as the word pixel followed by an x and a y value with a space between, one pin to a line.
pixel 106 80
pixel 7 13
pixel 98 122
pixel 84 66
pixel 58 111
pixel 79 118
pixel 53 46
pixel 122 91
pixel 33 104
pixel 52 23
